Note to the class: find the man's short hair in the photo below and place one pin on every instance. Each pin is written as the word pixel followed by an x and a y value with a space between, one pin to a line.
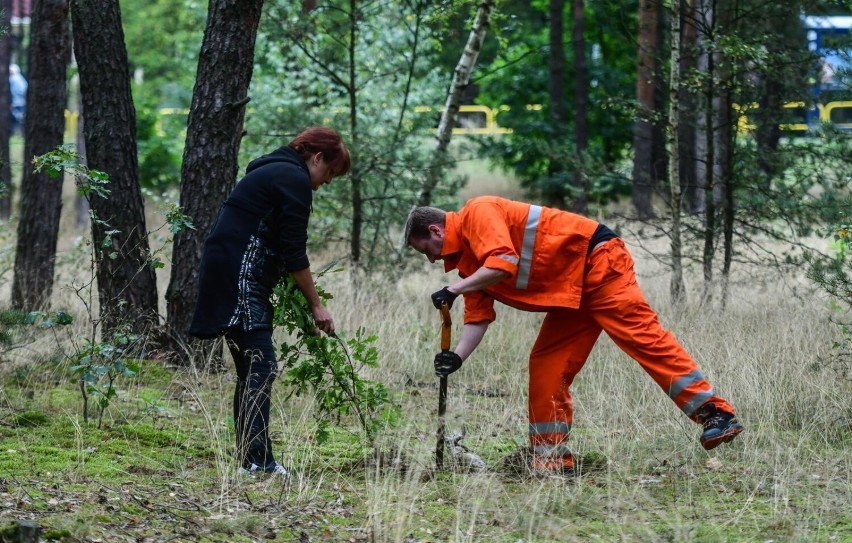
pixel 420 219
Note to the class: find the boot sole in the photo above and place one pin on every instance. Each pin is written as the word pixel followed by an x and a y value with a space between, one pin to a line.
pixel 722 438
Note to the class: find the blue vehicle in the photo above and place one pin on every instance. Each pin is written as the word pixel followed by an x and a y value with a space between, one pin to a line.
pixel 830 39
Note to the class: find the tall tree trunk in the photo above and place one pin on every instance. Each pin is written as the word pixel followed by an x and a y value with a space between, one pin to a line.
pixel 706 140
pixel 127 286
pixel 461 78
pixel 659 159
pixel 44 127
pixel 644 181
pixel 693 197
pixel 678 292
pixel 581 100
pixel 355 175
pixel 554 194
pixel 556 63
pixel 726 121
pixel 6 185
pixel 209 170
pixel 728 209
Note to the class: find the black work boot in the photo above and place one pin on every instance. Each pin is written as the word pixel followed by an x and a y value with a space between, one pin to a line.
pixel 719 427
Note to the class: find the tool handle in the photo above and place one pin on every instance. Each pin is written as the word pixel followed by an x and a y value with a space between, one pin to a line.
pixel 446 327
pixel 446 333
pixel 442 410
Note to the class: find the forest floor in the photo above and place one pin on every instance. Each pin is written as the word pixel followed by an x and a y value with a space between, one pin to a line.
pixel 157 465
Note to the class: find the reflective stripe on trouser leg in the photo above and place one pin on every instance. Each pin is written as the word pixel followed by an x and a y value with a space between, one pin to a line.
pixel 562 347
pixel 613 298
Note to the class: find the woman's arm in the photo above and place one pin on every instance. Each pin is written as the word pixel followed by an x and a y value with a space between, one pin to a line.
pixel 305 281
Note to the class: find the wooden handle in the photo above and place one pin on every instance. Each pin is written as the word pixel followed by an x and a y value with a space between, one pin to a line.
pixel 446 327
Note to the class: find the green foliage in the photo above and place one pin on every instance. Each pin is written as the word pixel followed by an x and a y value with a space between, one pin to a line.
pixel 15 325
pixel 304 75
pixel 540 151
pixel 64 159
pixel 329 367
pixel 98 365
pixel 160 141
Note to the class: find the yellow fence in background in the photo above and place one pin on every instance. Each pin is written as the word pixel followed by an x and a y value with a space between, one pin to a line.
pixel 482 120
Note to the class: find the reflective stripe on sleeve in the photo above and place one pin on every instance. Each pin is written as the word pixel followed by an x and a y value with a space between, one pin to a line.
pixel 528 246
pixel 509 258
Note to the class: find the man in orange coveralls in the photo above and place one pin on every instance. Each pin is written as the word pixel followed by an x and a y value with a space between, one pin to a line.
pixel 580 273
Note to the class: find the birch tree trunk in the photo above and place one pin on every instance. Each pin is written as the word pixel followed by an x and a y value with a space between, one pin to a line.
pixel 461 78
pixel 676 287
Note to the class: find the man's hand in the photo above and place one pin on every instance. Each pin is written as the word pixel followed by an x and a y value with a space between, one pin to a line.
pixel 444 295
pixel 446 362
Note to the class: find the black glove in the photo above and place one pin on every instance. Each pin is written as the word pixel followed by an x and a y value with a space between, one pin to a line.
pixel 444 295
pixel 446 362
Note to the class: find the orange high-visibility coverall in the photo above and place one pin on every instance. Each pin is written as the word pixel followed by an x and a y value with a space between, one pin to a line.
pixel 546 251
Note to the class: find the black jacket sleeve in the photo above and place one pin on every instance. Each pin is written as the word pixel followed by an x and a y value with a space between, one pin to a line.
pixel 293 196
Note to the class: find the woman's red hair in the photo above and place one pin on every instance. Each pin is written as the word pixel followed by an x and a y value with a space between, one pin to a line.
pixel 319 139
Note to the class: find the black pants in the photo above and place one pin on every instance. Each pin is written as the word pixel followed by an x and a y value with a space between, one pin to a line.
pixel 257 368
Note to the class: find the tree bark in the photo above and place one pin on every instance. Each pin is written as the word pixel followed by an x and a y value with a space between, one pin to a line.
pixel 676 286
pixel 209 170
pixel 44 127
pixel 693 197
pixel 706 140
pixel 554 195
pixel 644 181
pixel 581 100
pixel 355 175
pixel 127 286
pixel 6 185
pixel 556 63
pixel 461 78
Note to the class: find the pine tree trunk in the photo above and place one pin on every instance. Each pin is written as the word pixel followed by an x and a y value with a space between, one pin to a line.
pixel 6 185
pixel 644 181
pixel 127 286
pixel 461 78
pixel 44 127
pixel 693 197
pixel 355 175
pixel 556 63
pixel 209 171
pixel 555 196
pixel 581 100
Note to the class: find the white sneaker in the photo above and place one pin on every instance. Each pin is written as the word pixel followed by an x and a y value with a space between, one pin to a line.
pixel 272 469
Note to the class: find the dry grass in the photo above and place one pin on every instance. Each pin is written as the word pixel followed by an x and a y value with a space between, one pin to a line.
pixel 644 475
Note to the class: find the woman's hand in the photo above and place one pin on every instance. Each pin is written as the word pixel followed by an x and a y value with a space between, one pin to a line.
pixel 305 281
pixel 323 319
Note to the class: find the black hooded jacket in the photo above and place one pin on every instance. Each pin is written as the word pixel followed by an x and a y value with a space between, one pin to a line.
pixel 261 233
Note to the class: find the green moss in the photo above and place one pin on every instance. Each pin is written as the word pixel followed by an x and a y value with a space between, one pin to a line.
pixel 30 419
